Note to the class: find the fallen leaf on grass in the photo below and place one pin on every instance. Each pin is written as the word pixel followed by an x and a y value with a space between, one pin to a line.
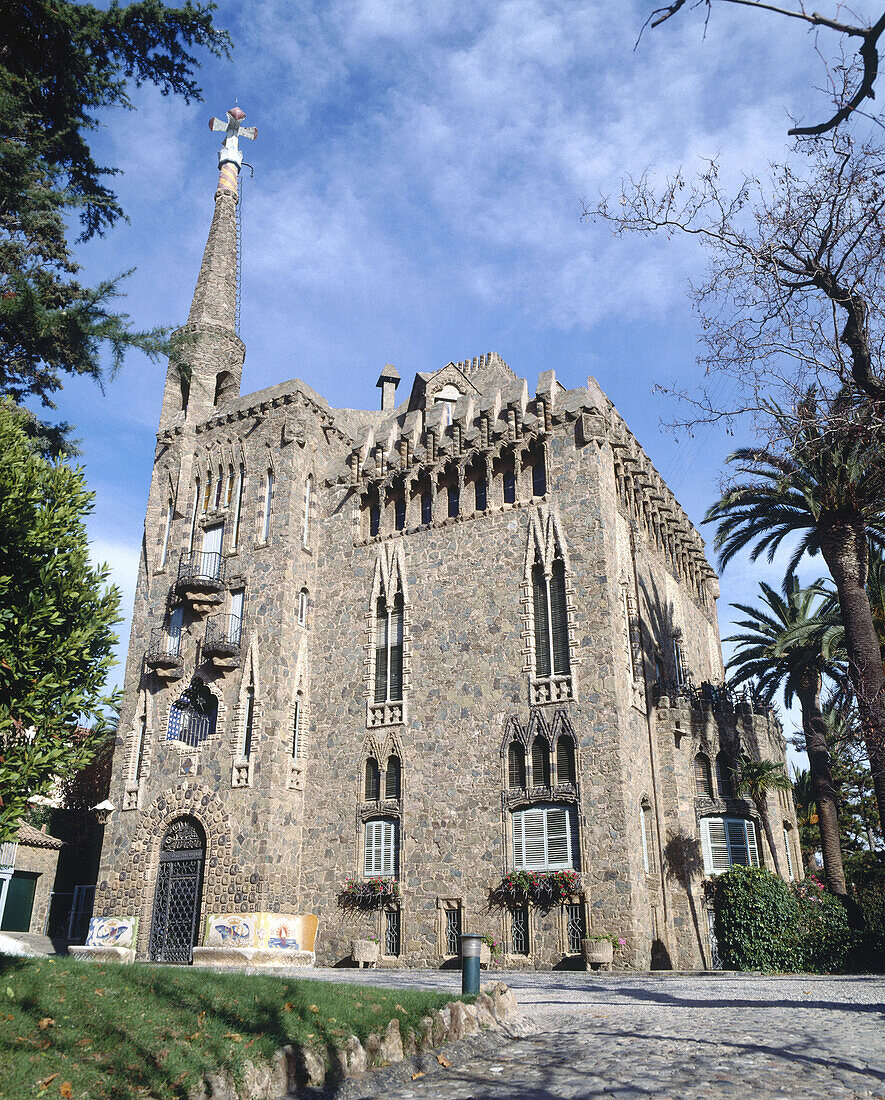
pixel 99 992
pixel 65 1089
pixel 46 1022
pixel 46 1081
pixel 375 1008
pixel 312 1008
pixel 332 1020
pixel 289 1007
pixel 399 1008
pixel 235 1036
pixel 443 1061
pixel 84 1042
pixel 420 1073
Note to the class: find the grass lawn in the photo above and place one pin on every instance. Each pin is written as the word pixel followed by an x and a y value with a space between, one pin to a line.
pixel 96 1031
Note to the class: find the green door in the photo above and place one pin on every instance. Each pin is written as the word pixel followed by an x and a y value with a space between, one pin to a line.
pixel 19 902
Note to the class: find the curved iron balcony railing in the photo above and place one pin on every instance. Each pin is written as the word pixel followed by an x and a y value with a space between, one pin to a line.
pixel 201 569
pixel 223 634
pixel 718 697
pixel 165 647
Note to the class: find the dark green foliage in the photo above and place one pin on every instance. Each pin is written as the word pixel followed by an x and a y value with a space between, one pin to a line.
pixel 56 624
pixel 866 879
pixel 762 923
pixel 756 920
pixel 825 938
pixel 60 64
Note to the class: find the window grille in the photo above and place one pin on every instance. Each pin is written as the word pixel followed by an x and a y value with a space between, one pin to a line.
pixel 509 484
pixel 726 841
pixel 236 536
pixel 166 531
pixel 393 778
pixel 453 931
pixel 268 502
pixel 426 509
pixel 296 730
pixel 789 849
pixel 565 760
pixel 381 847
pixel 678 663
pixel 645 826
pixel 391 932
pixel 516 766
pixel 540 762
pixel 373 780
pixel 250 716
pixel 539 478
pixel 399 513
pixel 305 526
pixel 723 776
pixel 454 501
pixel 519 930
pixel 576 927
pixel 481 490
pixel 389 650
pixel 703 783
pixel 551 621
pixel 545 838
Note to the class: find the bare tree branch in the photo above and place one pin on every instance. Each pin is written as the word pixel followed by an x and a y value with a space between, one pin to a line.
pixel 868 52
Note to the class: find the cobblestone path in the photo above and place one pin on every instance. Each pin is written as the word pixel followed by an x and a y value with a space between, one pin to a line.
pixel 687 1036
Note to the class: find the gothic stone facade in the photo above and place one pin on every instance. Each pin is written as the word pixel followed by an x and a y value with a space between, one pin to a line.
pixel 433 642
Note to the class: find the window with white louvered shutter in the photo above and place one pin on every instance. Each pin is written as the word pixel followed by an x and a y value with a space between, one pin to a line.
pixel 544 838
pixel 381 841
pixel 727 841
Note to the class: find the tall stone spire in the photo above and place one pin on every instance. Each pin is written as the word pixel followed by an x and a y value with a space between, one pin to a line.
pixel 207 363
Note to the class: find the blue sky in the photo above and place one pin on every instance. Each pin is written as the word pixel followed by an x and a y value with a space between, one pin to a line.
pixel 417 194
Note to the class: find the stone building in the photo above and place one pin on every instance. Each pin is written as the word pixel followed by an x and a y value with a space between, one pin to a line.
pixel 431 643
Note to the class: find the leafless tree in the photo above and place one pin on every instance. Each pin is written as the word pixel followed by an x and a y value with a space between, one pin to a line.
pixel 850 84
pixel 794 290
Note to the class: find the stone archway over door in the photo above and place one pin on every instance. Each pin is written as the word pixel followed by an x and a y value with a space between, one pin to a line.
pixel 178 893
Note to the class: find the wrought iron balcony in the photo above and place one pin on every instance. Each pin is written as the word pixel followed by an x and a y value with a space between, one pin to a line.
pixel 719 698
pixel 165 649
pixel 223 634
pixel 202 570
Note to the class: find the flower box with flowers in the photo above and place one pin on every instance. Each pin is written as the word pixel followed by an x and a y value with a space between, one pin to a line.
pixel 370 893
pixel 543 888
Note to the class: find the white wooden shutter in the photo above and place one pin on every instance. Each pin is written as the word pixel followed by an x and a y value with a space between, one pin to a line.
pixel 372 861
pixel 558 840
pixel 752 846
pixel 533 826
pixel 388 847
pixel 716 856
pixel 737 842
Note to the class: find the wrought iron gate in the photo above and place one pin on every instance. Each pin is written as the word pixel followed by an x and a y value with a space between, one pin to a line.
pixel 179 888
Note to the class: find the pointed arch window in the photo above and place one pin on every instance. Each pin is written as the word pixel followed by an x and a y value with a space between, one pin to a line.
pixel 305 524
pixel 374 519
pixel 268 503
pixel 426 508
pixel 238 509
pixel 389 649
pixel 724 787
pixel 509 485
pixel 297 719
pixel 539 477
pixel 551 620
pixel 516 766
pixel 399 513
pixel 540 762
pixel 302 607
pixel 372 786
pixel 565 760
pixel 167 529
pixel 393 778
pixel 703 782
pixel 249 719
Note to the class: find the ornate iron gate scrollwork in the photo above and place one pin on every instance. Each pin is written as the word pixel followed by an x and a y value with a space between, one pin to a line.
pixel 178 893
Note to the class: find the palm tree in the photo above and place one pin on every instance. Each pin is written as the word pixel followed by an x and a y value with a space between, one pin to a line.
pixel 785 645
pixel 806 815
pixel 753 780
pixel 828 488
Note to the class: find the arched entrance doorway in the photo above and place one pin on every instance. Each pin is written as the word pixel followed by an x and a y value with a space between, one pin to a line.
pixel 178 893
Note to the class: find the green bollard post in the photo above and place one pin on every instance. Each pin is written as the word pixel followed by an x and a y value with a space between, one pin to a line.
pixel 470 944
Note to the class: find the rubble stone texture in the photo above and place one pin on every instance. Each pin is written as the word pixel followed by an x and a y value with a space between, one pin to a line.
pixel 285 825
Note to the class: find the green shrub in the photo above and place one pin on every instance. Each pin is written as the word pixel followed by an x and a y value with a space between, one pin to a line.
pixel 825 937
pixel 757 920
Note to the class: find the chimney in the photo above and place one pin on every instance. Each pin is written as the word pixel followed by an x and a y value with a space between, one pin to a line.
pixel 387 383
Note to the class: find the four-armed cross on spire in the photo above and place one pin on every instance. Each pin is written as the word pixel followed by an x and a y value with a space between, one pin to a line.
pixel 230 156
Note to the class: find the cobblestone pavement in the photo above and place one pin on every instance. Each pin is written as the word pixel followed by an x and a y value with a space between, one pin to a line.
pixel 680 1036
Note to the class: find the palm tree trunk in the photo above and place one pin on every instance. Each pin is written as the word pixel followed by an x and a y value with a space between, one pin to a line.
pixel 762 809
pixel 845 550
pixel 822 784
